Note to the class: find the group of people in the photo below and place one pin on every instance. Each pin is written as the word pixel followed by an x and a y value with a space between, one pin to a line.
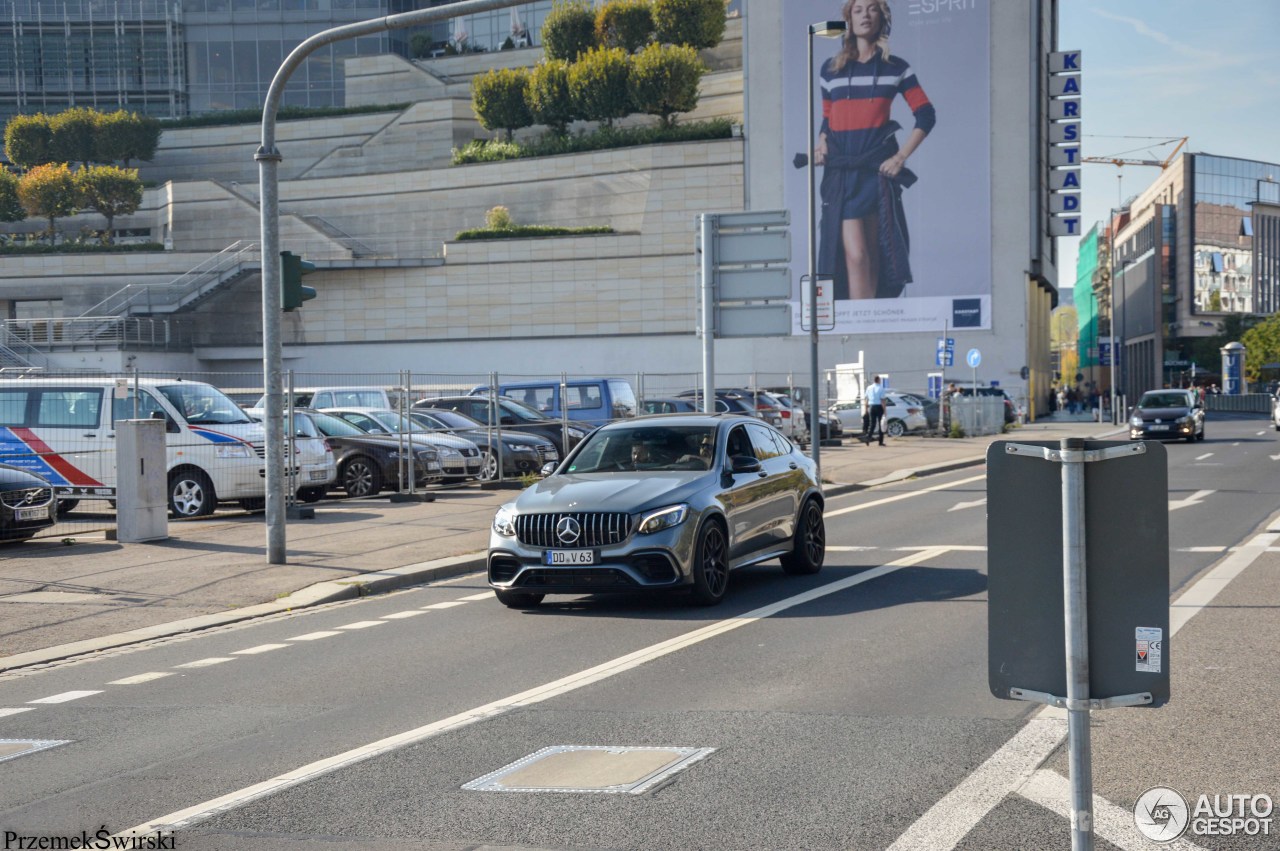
pixel 1075 399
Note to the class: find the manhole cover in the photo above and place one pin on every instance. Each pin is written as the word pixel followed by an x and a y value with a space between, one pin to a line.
pixel 14 748
pixel 589 768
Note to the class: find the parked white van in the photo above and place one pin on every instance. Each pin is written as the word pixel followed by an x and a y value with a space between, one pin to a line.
pixel 63 429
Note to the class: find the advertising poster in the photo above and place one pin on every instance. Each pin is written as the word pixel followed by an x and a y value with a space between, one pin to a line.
pixel 902 218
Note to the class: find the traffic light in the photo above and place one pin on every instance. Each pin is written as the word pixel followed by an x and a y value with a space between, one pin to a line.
pixel 292 292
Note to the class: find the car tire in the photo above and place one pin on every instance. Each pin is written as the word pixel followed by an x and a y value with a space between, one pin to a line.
pixel 1200 436
pixel 191 494
pixel 360 476
pixel 711 565
pixel 488 465
pixel 809 544
pixel 312 494
pixel 66 506
pixel 896 428
pixel 518 599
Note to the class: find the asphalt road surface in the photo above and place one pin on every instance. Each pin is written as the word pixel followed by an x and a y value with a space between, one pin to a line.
pixel 837 711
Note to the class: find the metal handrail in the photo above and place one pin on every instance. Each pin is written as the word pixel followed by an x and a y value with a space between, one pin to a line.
pixel 98 332
pixel 210 270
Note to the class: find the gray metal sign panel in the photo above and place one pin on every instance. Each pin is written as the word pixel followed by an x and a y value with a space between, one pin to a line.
pixel 753 219
pixel 1066 108
pixel 1064 155
pixel 753 320
pixel 1064 85
pixel 753 284
pixel 1127 573
pixel 767 246
pixel 1070 61
pixel 1064 178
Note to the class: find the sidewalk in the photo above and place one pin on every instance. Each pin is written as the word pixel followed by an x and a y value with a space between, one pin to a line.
pixel 61 599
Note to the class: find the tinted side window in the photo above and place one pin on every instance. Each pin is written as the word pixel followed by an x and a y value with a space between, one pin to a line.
pixel 123 409
pixel 70 409
pixel 13 407
pixel 762 442
pixel 624 398
pixel 738 443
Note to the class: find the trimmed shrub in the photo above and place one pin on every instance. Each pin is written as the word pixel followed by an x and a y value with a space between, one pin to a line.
pixel 76 247
pixel 73 131
pixel 126 136
pixel 624 23
pixel 10 207
pixel 498 98
pixel 498 218
pixel 110 191
pixel 697 23
pixel 569 30
pixel 526 231
pixel 599 84
pixel 600 139
pixel 47 192
pixel 27 140
pixel 664 80
pixel 548 95
pixel 421 44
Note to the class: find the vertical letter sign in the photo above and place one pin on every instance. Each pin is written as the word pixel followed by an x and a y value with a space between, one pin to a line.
pixel 1064 143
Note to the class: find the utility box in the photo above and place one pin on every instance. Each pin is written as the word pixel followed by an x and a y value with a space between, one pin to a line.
pixel 141 504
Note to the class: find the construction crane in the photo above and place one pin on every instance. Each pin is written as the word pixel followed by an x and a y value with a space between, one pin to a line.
pixel 1121 161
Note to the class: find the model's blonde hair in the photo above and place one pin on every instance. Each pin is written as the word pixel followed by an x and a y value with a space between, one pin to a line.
pixel 849 50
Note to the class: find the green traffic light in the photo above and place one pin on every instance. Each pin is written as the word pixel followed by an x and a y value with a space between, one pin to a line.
pixel 292 292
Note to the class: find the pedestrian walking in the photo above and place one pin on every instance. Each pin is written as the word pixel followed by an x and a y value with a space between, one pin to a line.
pixel 874 405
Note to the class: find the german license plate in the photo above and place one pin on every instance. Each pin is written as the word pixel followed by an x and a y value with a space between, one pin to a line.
pixel 318 475
pixel 31 513
pixel 1158 428
pixel 568 557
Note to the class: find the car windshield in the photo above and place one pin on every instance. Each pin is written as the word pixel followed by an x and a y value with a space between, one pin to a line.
pixel 201 404
pixel 452 419
pixel 399 423
pixel 649 448
pixel 1163 400
pixel 331 426
pixel 521 411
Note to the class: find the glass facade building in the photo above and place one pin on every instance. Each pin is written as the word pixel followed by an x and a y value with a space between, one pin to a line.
pixel 1222 261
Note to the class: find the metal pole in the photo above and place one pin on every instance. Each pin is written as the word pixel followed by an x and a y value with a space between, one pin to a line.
pixel 564 409
pixel 707 267
pixel 815 444
pixel 1076 618
pixel 495 419
pixel 1111 291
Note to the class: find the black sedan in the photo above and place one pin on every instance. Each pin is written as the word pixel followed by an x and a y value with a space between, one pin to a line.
pixel 661 502
pixel 27 504
pixel 368 463
pixel 521 453
pixel 515 417
pixel 1167 415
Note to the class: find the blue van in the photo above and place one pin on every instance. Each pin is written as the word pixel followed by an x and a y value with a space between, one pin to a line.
pixel 591 400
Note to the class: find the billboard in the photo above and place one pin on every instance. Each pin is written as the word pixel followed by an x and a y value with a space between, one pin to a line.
pixel 902 219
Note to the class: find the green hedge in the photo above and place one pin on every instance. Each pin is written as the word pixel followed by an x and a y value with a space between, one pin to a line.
pixel 77 248
pixel 525 231
pixel 603 138
pixel 287 113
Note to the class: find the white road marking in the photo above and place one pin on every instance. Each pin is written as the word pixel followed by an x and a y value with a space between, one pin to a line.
pixel 1235 444
pixel 449 605
pixel 192 815
pixel 412 613
pixel 902 496
pixel 1275 457
pixel 1204 456
pixel 1052 791
pixel 959 548
pixel 362 624
pixel 839 549
pixel 15 711
pixel 206 663
pixel 959 506
pixel 483 596
pixel 313 636
pixel 65 696
pixel 261 648
pixel 141 678
pixel 1200 549
pixel 1261 433
pixel 979 793
pixel 1194 499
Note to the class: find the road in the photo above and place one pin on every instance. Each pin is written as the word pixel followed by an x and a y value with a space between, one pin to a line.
pixel 840 709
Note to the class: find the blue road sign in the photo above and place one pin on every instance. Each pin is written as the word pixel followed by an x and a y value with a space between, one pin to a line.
pixel 973 358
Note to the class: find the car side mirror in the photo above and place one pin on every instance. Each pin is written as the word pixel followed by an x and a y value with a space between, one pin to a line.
pixel 744 464
pixel 547 469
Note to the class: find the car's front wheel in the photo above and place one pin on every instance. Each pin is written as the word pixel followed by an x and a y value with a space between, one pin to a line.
pixel 488 465
pixel 896 428
pixel 711 565
pixel 361 477
pixel 518 599
pixel 191 494
pixel 809 546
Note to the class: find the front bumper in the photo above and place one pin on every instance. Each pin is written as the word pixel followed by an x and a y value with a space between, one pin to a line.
pixel 1161 431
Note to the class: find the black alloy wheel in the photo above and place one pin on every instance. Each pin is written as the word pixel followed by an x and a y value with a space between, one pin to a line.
pixel 361 477
pixel 711 565
pixel 809 546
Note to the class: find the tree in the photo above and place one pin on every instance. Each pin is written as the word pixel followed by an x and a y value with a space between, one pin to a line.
pixel 548 95
pixel 569 30
pixel 26 140
pixel 10 207
pixel 48 191
pixel 624 23
pixel 664 80
pixel 73 131
pixel 111 191
pixel 599 84
pixel 125 136
pixel 498 98
pixel 1263 343
pixel 697 23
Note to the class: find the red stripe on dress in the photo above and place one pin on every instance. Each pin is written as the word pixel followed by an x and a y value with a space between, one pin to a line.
pixel 860 114
pixel 915 97
pixel 64 467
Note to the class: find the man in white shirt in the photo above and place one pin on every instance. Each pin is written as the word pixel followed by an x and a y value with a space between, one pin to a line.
pixel 874 402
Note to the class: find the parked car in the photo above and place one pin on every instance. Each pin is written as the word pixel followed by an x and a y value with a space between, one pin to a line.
pixel 1011 409
pixel 591 400
pixel 514 417
pixel 314 463
pixel 1275 411
pixel 1167 415
pixel 658 503
pixel 670 405
pixel 931 408
pixel 828 427
pixel 902 414
pixel 27 504
pixel 318 398
pixel 733 402
pixel 521 453
pixel 459 457
pixel 368 463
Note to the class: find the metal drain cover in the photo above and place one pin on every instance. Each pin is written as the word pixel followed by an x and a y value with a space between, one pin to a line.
pixel 14 748
pixel 589 768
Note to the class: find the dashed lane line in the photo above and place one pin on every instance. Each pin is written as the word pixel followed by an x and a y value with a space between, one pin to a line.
pixel 15 710
pixel 65 697
pixel 261 648
pixel 898 497
pixel 361 625
pixel 411 613
pixel 138 679
pixel 314 636
pixel 487 595
pixel 1204 456
pixel 206 663
pixel 446 605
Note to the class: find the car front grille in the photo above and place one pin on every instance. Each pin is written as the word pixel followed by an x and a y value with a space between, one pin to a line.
pixel 27 498
pixel 598 529
pixel 470 452
pixel 260 449
pixel 597 577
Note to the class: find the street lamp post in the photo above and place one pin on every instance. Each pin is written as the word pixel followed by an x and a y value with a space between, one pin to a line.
pixel 827 29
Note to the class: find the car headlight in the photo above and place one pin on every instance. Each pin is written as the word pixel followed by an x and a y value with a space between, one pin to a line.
pixel 233 450
pixel 1136 422
pixel 576 433
pixel 663 518
pixel 446 452
pixel 504 522
pixel 427 455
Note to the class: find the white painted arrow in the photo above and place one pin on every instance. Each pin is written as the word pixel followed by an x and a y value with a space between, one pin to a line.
pixel 1194 499
pixel 974 504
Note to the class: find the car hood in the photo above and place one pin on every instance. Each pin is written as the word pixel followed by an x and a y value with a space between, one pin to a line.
pixel 438 440
pixel 626 492
pixel 1162 413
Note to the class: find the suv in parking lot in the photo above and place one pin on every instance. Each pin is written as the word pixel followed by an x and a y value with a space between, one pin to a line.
pixel 514 417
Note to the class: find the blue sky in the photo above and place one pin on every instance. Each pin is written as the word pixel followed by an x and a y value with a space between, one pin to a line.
pixel 1165 69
